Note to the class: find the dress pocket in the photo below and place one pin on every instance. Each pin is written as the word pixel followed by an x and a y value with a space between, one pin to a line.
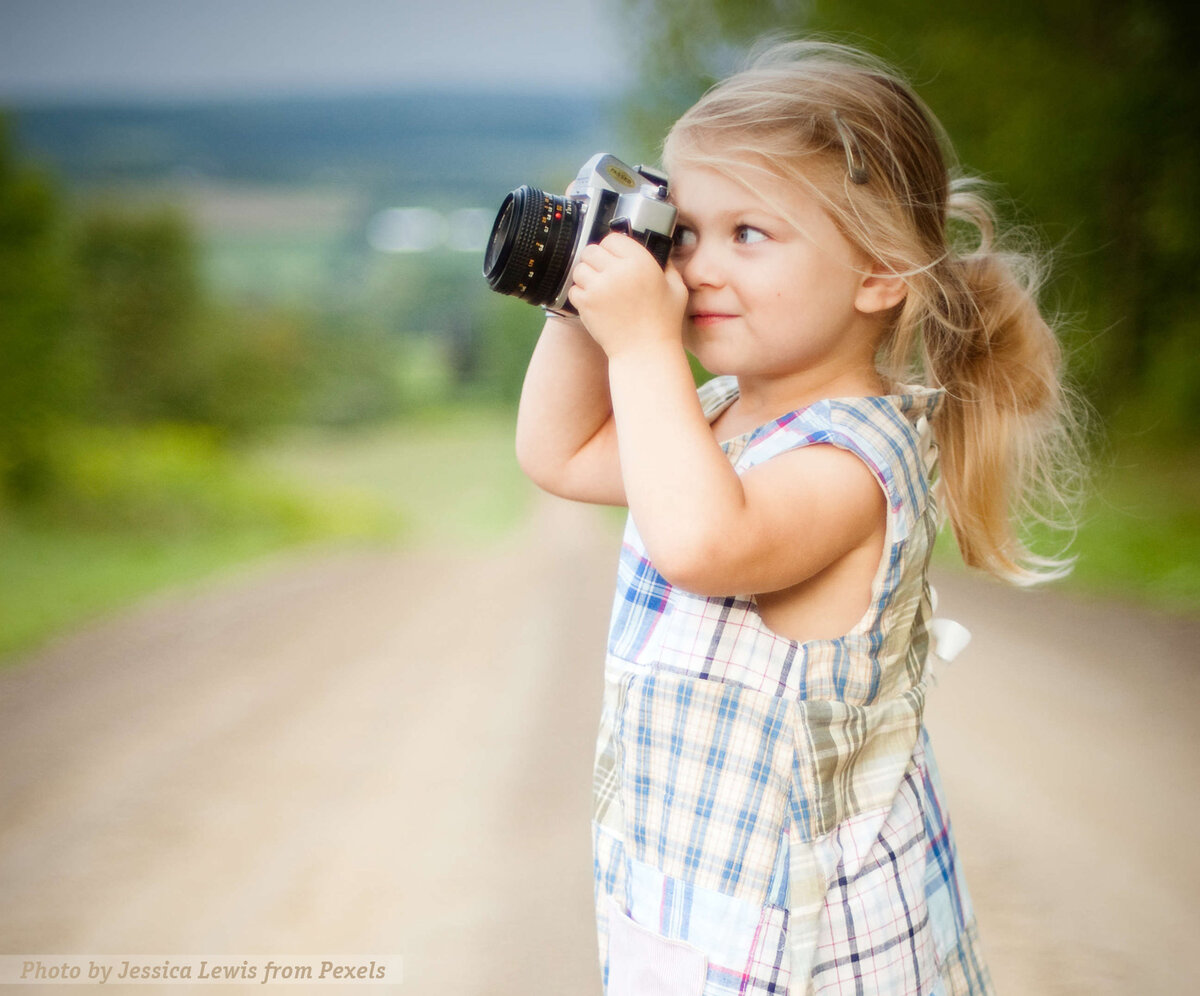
pixel 643 963
pixel 705 770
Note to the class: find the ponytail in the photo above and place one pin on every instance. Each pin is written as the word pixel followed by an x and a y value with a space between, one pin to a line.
pixel 1004 428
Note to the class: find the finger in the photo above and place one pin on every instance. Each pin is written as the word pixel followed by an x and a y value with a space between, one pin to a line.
pixel 594 255
pixel 583 269
pixel 620 245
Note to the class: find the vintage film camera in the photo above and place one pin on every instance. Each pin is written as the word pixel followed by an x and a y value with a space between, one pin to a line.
pixel 537 237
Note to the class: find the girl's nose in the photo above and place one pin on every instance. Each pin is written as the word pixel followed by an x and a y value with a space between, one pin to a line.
pixel 700 266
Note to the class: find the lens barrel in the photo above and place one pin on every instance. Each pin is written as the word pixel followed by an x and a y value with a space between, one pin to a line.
pixel 533 239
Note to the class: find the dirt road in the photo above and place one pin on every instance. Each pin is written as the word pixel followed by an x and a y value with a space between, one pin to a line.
pixel 370 752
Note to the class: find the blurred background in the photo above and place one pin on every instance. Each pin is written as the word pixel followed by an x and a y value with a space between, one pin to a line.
pixel 241 238
pixel 242 319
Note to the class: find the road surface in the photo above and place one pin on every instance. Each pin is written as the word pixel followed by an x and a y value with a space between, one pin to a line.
pixel 376 752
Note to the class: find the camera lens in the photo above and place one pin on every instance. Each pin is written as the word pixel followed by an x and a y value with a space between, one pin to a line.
pixel 532 241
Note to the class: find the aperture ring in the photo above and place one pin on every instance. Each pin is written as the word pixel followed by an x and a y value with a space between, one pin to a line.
pixel 558 232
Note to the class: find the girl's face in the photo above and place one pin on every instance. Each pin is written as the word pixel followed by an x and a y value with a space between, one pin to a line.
pixel 774 287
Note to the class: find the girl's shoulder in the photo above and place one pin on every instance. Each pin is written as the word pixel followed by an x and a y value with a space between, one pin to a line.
pixel 911 404
pixel 890 433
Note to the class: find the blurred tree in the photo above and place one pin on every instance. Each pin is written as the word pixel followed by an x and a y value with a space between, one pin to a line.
pixel 141 302
pixel 510 329
pixel 349 371
pixel 41 370
pixel 166 352
pixel 440 294
pixel 1087 114
pixel 244 369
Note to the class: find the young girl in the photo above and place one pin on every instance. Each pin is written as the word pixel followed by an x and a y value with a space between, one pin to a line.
pixel 767 817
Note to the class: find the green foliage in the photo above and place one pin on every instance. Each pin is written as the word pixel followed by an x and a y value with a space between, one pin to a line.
pixel 134 509
pixel 125 388
pixel 448 472
pixel 509 330
pixel 140 301
pixel 169 479
pixel 104 320
pixel 166 351
pixel 1087 114
pixel 128 392
pixel 39 374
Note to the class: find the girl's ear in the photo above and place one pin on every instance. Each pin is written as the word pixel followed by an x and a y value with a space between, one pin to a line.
pixel 880 290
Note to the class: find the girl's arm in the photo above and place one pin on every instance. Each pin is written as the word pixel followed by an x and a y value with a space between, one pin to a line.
pixel 706 528
pixel 709 530
pixel 566 438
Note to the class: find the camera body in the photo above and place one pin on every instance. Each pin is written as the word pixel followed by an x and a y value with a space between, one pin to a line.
pixel 537 237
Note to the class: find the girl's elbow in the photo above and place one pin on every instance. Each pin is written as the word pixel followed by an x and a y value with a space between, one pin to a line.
pixel 552 474
pixel 538 467
pixel 694 565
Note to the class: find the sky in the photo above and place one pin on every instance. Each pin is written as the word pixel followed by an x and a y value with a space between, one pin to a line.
pixel 170 48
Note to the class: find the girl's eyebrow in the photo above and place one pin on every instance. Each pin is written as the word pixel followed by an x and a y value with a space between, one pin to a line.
pixel 729 215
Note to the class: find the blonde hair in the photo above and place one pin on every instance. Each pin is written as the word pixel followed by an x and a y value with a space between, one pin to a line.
pixel 850 130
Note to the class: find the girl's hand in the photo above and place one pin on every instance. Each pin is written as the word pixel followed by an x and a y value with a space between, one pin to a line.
pixel 625 298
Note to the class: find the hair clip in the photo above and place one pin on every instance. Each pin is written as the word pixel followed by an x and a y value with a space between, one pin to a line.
pixel 856 165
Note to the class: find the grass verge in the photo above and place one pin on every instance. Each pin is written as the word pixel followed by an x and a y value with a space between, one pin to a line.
pixel 448 474
pixel 132 511
pixel 1139 535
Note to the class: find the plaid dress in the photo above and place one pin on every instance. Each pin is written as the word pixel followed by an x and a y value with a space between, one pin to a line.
pixel 767 814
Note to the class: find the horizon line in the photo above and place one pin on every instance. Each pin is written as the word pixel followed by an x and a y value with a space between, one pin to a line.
pixel 76 97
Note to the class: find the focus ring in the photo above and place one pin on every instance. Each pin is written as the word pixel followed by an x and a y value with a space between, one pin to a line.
pixel 556 264
pixel 522 267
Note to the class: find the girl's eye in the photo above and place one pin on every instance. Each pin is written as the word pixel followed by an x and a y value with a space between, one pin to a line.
pixel 748 235
pixel 684 238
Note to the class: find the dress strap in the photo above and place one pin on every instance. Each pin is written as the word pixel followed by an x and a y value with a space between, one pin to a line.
pixel 717 394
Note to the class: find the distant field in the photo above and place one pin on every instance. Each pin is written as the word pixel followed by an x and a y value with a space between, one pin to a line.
pixel 406 146
pixel 450 474
pixel 261 267
pixel 282 189
pixel 310 247
pixel 265 210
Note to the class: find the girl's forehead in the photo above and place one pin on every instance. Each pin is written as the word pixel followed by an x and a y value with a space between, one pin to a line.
pixel 698 189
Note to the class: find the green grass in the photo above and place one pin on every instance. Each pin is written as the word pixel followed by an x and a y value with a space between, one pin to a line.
pixel 54 576
pixel 451 477
pixel 1139 535
pixel 136 512
pixel 133 511
pixel 449 474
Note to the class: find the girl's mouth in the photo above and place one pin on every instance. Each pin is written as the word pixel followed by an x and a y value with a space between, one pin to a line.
pixel 705 318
